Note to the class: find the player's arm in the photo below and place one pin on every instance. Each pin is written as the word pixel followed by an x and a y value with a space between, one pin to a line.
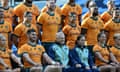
pixel 16 59
pixel 29 60
pixel 48 59
pixel 79 19
pixel 39 28
pixel 3 63
pixel 62 19
pixel 83 31
pixel 15 20
pixel 84 27
pixel 100 57
pixel 113 58
pixel 15 39
pixel 60 27
pixel 9 40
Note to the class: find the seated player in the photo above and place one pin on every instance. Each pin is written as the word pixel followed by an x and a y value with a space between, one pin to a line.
pixel 71 31
pixel 60 53
pixel 5 56
pixel 81 56
pixel 103 56
pixel 33 54
pixel 116 50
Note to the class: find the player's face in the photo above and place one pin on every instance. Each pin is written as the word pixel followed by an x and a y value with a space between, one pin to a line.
pixel 3 41
pixel 117 40
pixel 4 2
pixel 29 17
pixel 60 39
pixel 72 18
pixel 33 36
pixel 51 4
pixel 94 11
pixel 102 38
pixel 81 41
pixel 116 13
pixel 28 1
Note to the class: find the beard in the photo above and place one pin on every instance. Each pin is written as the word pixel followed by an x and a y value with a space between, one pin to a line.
pixel 95 14
pixel 29 1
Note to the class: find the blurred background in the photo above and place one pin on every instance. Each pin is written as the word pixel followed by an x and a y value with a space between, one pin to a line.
pixel 41 3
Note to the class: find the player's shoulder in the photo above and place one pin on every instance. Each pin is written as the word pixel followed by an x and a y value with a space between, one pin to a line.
pixel 19 6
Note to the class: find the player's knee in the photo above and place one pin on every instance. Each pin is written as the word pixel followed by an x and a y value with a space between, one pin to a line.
pixel 53 69
pixel 36 69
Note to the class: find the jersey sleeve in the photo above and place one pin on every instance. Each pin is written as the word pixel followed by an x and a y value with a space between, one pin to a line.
pixel 107 26
pixel 79 9
pixel 59 10
pixel 22 50
pixel 36 11
pixel 17 31
pixel 84 24
pixel 17 10
pixel 66 29
pixel 96 48
pixel 64 10
pixel 40 19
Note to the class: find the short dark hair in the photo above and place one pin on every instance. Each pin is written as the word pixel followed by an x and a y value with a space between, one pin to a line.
pixel 30 31
pixel 99 35
pixel 79 37
pixel 87 3
pixel 27 13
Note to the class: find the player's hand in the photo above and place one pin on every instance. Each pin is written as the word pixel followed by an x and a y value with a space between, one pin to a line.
pixel 78 65
pixel 36 65
pixel 21 65
pixel 113 64
pixel 8 70
pixel 87 67
pixel 57 63
pixel 94 67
